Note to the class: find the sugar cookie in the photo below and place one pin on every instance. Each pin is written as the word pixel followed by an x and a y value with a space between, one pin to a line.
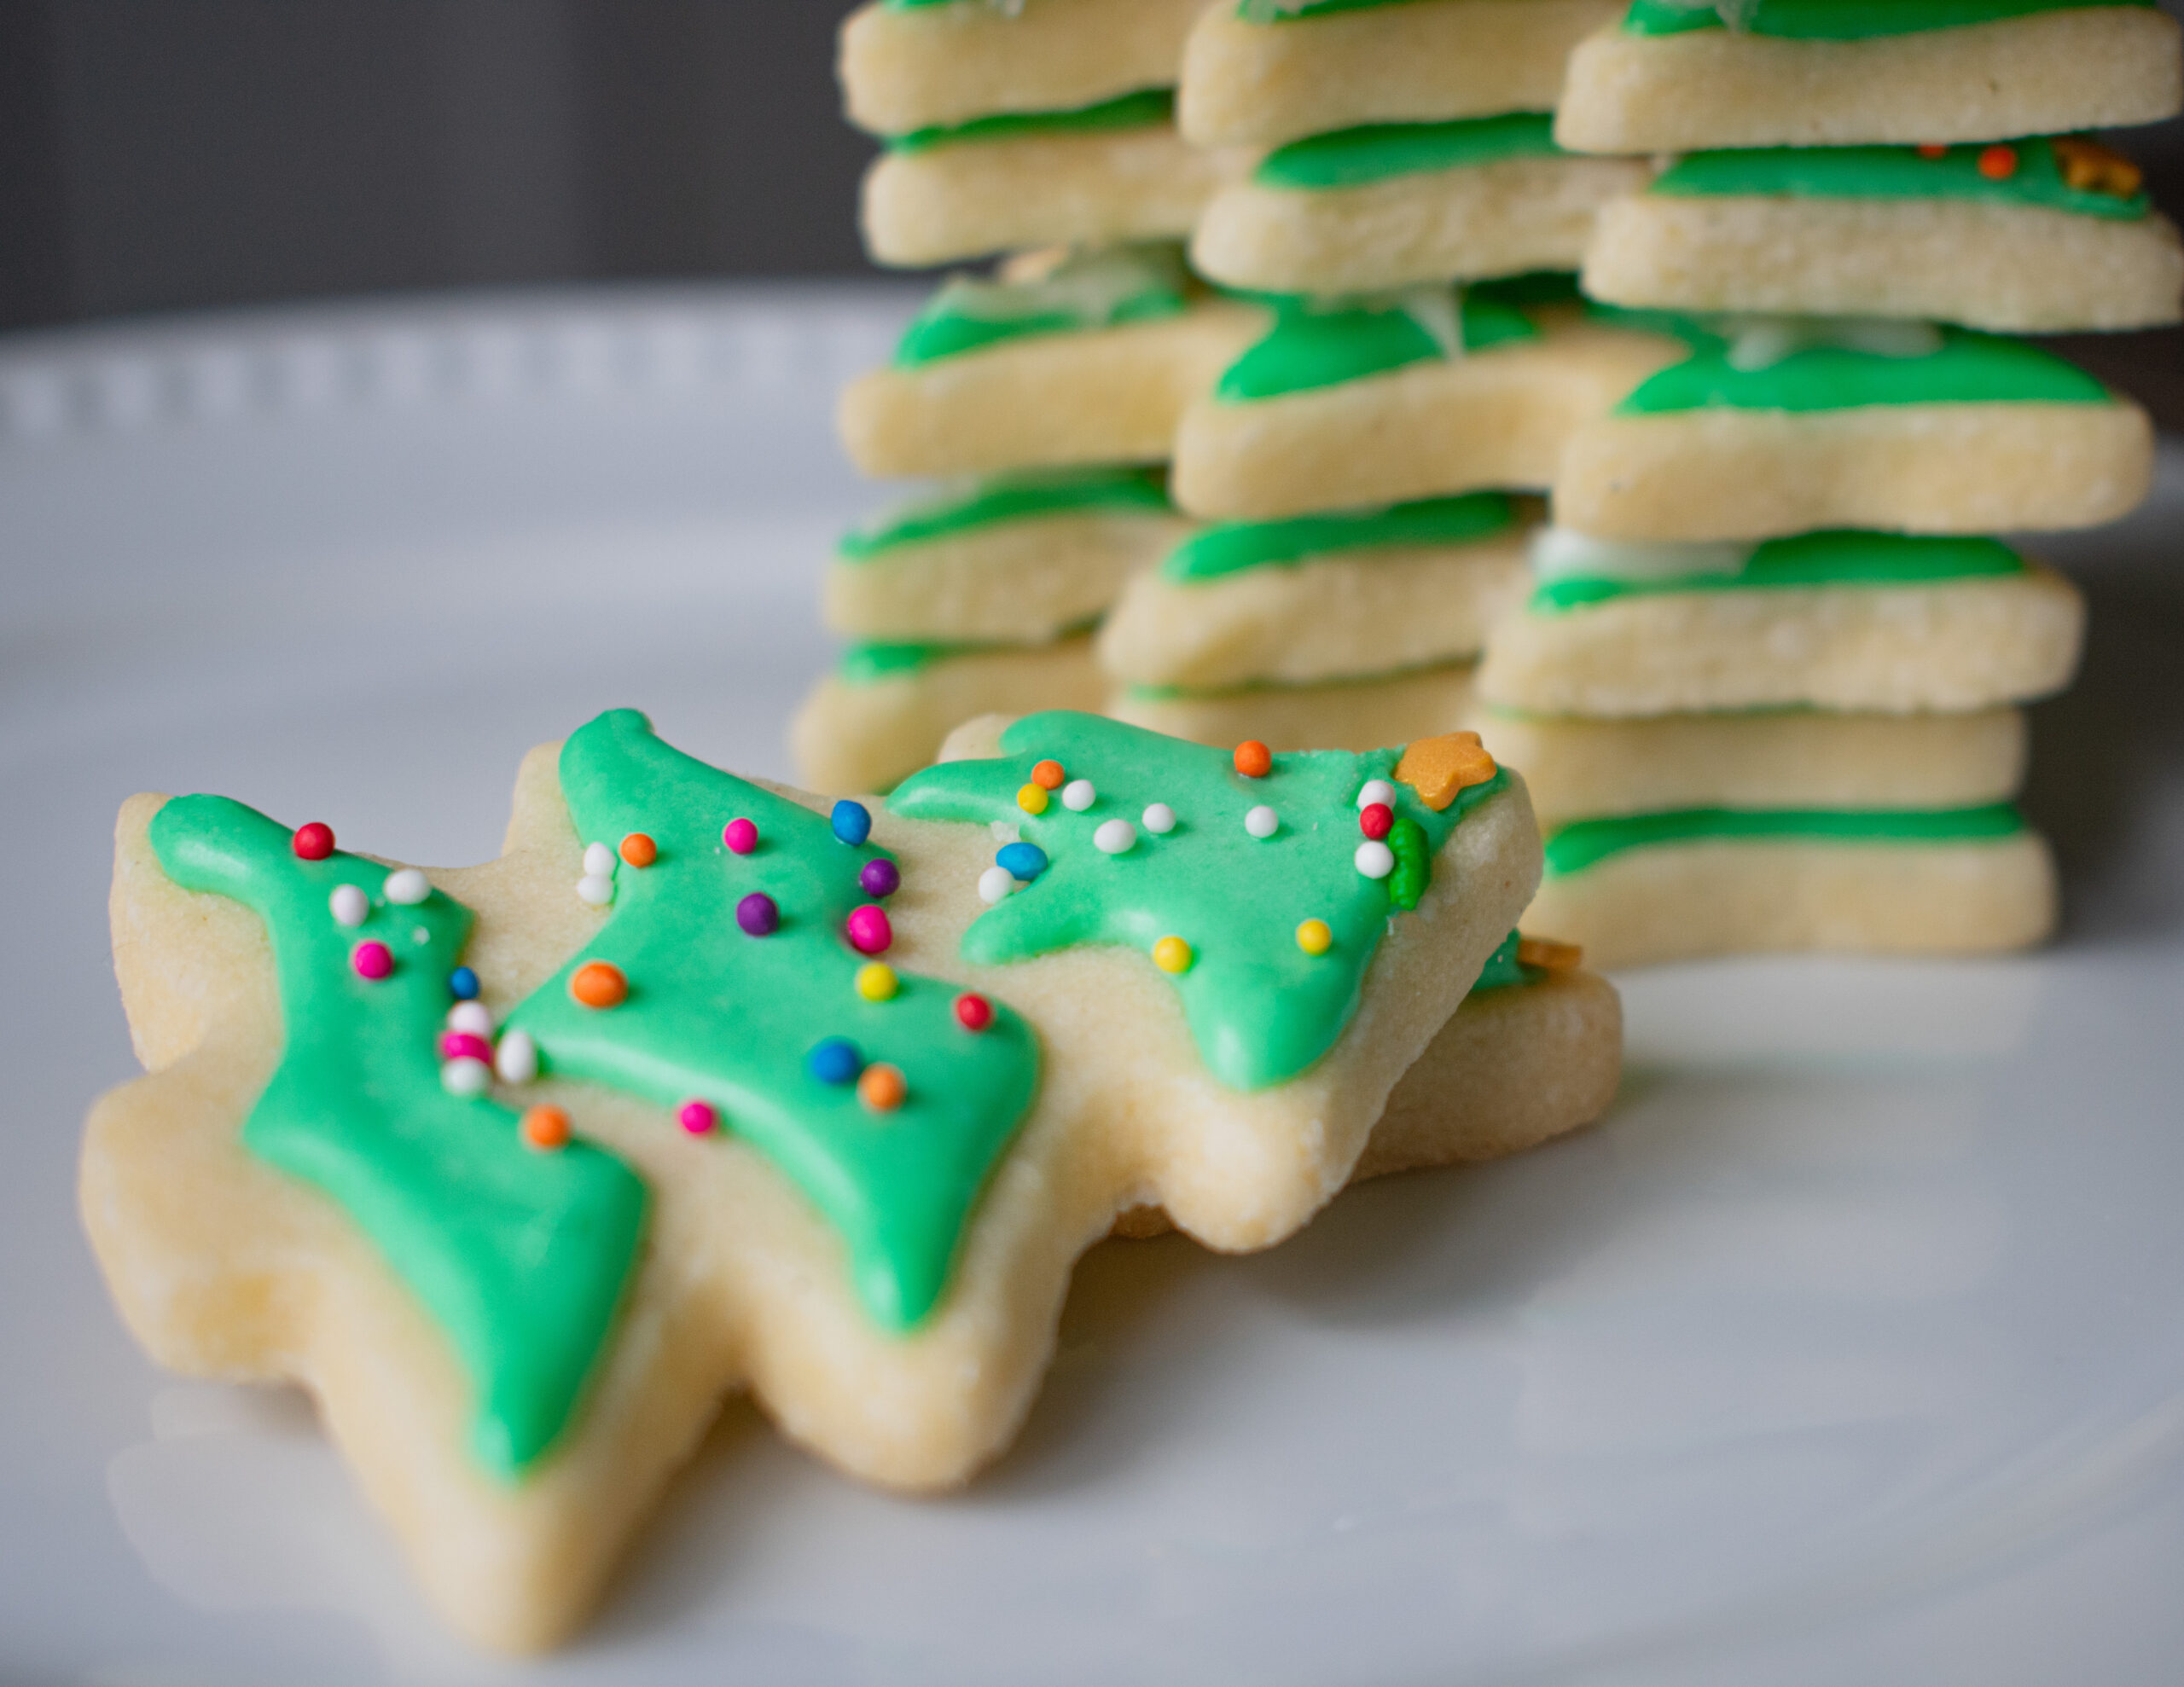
pixel 1351 714
pixel 1328 597
pixel 2037 236
pixel 1671 77
pixel 1262 75
pixel 1397 206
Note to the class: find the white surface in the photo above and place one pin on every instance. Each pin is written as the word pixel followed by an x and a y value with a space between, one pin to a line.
pixel 1850 1351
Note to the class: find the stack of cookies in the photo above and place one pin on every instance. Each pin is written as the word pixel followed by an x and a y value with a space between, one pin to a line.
pixel 1045 395
pixel 1356 464
pixel 1767 689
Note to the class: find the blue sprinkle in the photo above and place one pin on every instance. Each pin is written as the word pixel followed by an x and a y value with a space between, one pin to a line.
pixel 852 821
pixel 462 984
pixel 1024 862
pixel 834 1061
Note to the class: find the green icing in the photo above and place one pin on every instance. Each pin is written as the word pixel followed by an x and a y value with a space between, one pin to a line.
pixel 1503 971
pixel 1164 693
pixel 1289 11
pixel 1311 345
pixel 1260 1009
pixel 1835 559
pixel 1350 158
pixel 1020 497
pixel 1414 871
pixel 715 1015
pixel 1844 19
pixel 1090 290
pixel 869 663
pixel 1969 368
pixel 520 1257
pixel 1140 110
pixel 1585 843
pixel 1232 547
pixel 1894 172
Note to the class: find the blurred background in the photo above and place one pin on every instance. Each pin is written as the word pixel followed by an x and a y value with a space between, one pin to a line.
pixel 176 154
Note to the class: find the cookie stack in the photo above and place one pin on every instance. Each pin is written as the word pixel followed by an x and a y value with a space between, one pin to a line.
pixel 1045 395
pixel 1767 689
pixel 1356 464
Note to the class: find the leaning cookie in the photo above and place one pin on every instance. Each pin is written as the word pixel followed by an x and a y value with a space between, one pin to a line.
pixel 1090 363
pixel 882 712
pixel 1014 559
pixel 1350 406
pixel 1674 78
pixel 1806 423
pixel 1838 620
pixel 1349 714
pixel 2037 236
pixel 1261 74
pixel 1535 1052
pixel 518 1180
pixel 1112 173
pixel 905 65
pixel 1328 597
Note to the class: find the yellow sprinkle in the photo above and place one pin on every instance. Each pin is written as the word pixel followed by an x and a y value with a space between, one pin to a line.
pixel 1032 799
pixel 1314 937
pixel 876 982
pixel 1172 954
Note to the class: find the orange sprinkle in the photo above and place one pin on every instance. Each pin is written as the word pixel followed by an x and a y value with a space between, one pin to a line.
pixel 2092 168
pixel 880 1087
pixel 1547 955
pixel 599 984
pixel 1048 775
pixel 545 1127
pixel 1998 164
pixel 639 851
pixel 1929 150
pixel 1253 759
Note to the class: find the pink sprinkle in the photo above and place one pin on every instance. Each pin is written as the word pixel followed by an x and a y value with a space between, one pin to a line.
pixel 698 1118
pixel 465 1046
pixel 870 931
pixel 740 836
pixel 372 959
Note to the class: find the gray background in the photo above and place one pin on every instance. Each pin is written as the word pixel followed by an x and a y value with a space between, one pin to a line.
pixel 165 155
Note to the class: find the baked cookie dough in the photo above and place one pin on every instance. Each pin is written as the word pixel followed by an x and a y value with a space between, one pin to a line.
pixel 1262 75
pixel 1091 363
pixel 1015 559
pixel 905 67
pixel 1779 758
pixel 880 714
pixel 1353 714
pixel 1323 597
pixel 519 1181
pixel 1848 620
pixel 1400 205
pixel 1802 424
pixel 1358 406
pixel 1680 886
pixel 1113 173
pixel 2038 236
pixel 1828 73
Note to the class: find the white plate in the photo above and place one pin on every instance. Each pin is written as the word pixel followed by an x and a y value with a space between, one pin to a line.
pixel 1850 1350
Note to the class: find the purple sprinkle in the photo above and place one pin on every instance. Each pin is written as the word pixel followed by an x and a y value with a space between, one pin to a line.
pixel 880 877
pixel 758 915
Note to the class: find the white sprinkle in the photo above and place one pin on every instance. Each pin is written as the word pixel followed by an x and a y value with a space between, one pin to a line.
pixel 1078 795
pixel 473 1016
pixel 596 888
pixel 598 862
pixel 516 1059
pixel 419 935
pixel 1115 837
pixel 1262 821
pixel 1375 860
pixel 465 1076
pixel 1004 832
pixel 407 888
pixel 1376 791
pixel 351 906
pixel 1159 820
pixel 995 883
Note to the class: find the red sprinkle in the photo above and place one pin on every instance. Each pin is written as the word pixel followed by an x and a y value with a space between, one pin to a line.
pixel 465 1046
pixel 1376 819
pixel 1929 150
pixel 1998 164
pixel 974 1011
pixel 314 842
